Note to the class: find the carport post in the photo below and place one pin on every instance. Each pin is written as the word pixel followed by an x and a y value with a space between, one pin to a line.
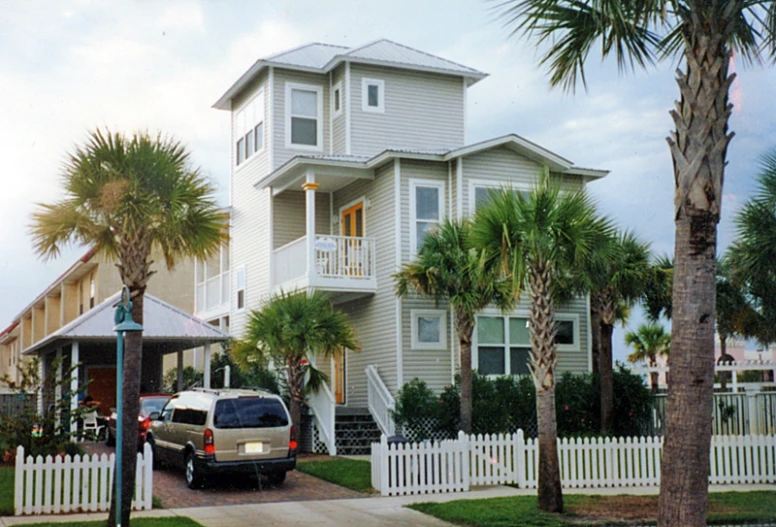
pixel 206 365
pixel 73 385
pixel 180 371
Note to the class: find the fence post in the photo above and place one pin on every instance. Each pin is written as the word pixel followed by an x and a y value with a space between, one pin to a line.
pixel 465 449
pixel 519 457
pixel 148 484
pixel 385 465
pixel 755 427
pixel 19 481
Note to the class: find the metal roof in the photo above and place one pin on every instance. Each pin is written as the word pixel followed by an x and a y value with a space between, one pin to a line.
pixel 161 322
pixel 315 55
pixel 388 51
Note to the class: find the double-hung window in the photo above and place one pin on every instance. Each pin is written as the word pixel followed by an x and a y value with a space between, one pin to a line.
pixel 249 128
pixel 427 198
pixel 304 116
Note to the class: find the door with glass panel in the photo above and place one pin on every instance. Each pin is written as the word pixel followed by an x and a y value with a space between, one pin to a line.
pixel 338 376
pixel 353 250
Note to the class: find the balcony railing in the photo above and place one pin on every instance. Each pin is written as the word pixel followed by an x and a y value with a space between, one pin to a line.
pixel 213 293
pixel 341 263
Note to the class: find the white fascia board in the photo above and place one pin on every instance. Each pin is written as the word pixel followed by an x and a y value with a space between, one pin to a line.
pixel 592 173
pixel 474 76
pixel 388 155
pixel 298 162
pixel 527 147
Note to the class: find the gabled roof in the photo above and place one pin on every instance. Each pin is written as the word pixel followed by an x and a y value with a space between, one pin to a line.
pixel 322 58
pixel 162 322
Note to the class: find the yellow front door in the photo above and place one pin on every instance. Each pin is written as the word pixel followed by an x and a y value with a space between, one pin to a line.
pixel 339 377
pixel 353 220
pixel 353 227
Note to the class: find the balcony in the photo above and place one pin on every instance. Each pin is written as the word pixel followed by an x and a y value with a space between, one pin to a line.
pixel 341 265
pixel 213 296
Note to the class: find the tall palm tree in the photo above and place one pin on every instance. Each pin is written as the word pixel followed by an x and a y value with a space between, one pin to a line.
pixel 657 299
pixel 129 197
pixel 537 240
pixel 449 269
pixel 649 341
pixel 618 273
pixel 290 329
pixel 704 34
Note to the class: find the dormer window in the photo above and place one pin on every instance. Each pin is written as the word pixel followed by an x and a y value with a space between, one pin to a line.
pixel 304 116
pixel 373 95
pixel 249 128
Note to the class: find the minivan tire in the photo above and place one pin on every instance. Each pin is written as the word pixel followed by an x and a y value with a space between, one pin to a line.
pixel 276 478
pixel 193 477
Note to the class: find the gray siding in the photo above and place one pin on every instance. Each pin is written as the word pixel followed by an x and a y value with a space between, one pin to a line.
pixel 339 137
pixel 411 169
pixel 374 317
pixel 289 211
pixel 281 77
pixel 422 110
pixel 432 366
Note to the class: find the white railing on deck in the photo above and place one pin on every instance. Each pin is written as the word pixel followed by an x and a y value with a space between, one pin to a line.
pixel 75 484
pixel 380 401
pixel 291 261
pixel 455 465
pixel 323 407
pixel 344 257
pixel 213 292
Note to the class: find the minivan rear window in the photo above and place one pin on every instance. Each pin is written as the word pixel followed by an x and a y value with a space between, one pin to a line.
pixel 249 412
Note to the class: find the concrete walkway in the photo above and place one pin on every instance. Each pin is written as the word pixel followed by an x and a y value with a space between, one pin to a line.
pixel 374 511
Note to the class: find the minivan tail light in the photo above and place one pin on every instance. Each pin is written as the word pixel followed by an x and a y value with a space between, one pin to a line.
pixel 145 424
pixel 292 444
pixel 210 447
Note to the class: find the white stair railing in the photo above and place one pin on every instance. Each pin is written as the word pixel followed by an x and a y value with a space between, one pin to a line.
pixel 380 401
pixel 323 405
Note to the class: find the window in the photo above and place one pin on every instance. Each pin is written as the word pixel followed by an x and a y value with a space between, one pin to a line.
pixel 373 95
pixel 92 290
pixel 249 128
pixel 241 288
pixel 336 99
pixel 249 412
pixel 304 116
pixel 427 200
pixel 429 329
pixel 480 192
pixel 503 344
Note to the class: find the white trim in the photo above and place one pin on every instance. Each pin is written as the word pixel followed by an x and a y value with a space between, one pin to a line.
pixel 348 113
pixel 429 313
pixel 349 204
pixel 365 84
pixel 334 112
pixel 237 270
pixel 459 184
pixel 398 260
pixel 465 107
pixel 271 118
pixel 271 227
pixel 331 113
pixel 290 86
pixel 520 186
pixel 414 184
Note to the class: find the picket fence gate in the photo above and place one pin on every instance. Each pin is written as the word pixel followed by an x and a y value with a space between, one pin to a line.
pixel 456 465
pixel 64 484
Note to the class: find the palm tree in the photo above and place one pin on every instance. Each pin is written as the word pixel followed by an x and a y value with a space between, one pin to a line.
pixel 657 299
pixel 449 269
pixel 537 240
pixel 649 341
pixel 705 34
pixel 618 273
pixel 129 197
pixel 290 329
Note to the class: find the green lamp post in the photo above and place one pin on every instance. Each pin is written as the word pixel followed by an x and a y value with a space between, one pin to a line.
pixel 124 323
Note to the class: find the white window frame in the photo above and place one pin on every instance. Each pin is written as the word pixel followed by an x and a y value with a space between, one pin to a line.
pixel 429 313
pixel 494 185
pixel 240 132
pixel 290 86
pixel 365 84
pixel 337 88
pixel 494 313
pixel 240 270
pixel 414 184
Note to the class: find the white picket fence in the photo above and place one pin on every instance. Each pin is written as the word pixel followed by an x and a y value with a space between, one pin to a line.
pixel 456 465
pixel 78 484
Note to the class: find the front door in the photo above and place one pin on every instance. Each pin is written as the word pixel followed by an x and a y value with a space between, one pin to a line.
pixel 352 227
pixel 339 377
pixel 353 220
pixel 102 388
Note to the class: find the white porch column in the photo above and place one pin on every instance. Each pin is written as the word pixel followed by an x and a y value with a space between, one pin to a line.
pixel 74 359
pixel 310 186
pixel 179 381
pixel 206 360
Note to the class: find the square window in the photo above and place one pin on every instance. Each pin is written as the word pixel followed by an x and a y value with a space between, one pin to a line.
pixel 519 331
pixel 490 360
pixel 304 103
pixel 490 330
pixel 304 131
pixel 564 332
pixel 428 328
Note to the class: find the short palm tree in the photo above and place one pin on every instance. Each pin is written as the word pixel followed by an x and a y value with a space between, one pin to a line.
pixel 449 269
pixel 618 273
pixel 536 240
pixel 649 341
pixel 291 330
pixel 704 34
pixel 128 197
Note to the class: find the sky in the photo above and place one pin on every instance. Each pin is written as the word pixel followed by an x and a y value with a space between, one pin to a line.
pixel 71 66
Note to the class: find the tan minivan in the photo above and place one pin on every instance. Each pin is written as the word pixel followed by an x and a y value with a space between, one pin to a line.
pixel 208 431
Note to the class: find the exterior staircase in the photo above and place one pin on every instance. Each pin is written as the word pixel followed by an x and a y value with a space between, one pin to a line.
pixel 355 431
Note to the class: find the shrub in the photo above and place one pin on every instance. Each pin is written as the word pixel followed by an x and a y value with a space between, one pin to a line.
pixel 416 407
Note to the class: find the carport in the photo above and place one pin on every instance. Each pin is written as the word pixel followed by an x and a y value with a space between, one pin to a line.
pixel 90 342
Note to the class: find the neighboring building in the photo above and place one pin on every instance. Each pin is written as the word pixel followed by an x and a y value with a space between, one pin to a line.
pixel 342 159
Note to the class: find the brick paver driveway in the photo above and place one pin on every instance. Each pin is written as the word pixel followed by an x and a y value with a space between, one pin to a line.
pixel 170 487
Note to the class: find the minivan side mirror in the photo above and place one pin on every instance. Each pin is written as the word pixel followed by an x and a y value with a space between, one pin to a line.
pixel 154 416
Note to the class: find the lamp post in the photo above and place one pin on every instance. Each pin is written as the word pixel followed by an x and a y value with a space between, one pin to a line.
pixel 124 323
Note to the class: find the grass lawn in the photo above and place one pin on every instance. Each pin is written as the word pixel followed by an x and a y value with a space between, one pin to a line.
pixel 350 473
pixel 725 508
pixel 176 521
pixel 6 491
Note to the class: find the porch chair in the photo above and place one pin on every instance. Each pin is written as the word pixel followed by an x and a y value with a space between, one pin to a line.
pixel 91 427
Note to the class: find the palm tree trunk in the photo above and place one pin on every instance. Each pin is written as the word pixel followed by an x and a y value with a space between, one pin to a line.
pixel 698 149
pixel 607 377
pixel 133 359
pixel 653 381
pixel 543 359
pixel 465 330
pixel 595 332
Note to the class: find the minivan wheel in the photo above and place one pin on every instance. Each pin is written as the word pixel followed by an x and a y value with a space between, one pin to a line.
pixel 193 478
pixel 276 478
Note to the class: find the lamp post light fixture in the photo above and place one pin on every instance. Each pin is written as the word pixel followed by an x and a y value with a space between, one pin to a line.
pixel 124 323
